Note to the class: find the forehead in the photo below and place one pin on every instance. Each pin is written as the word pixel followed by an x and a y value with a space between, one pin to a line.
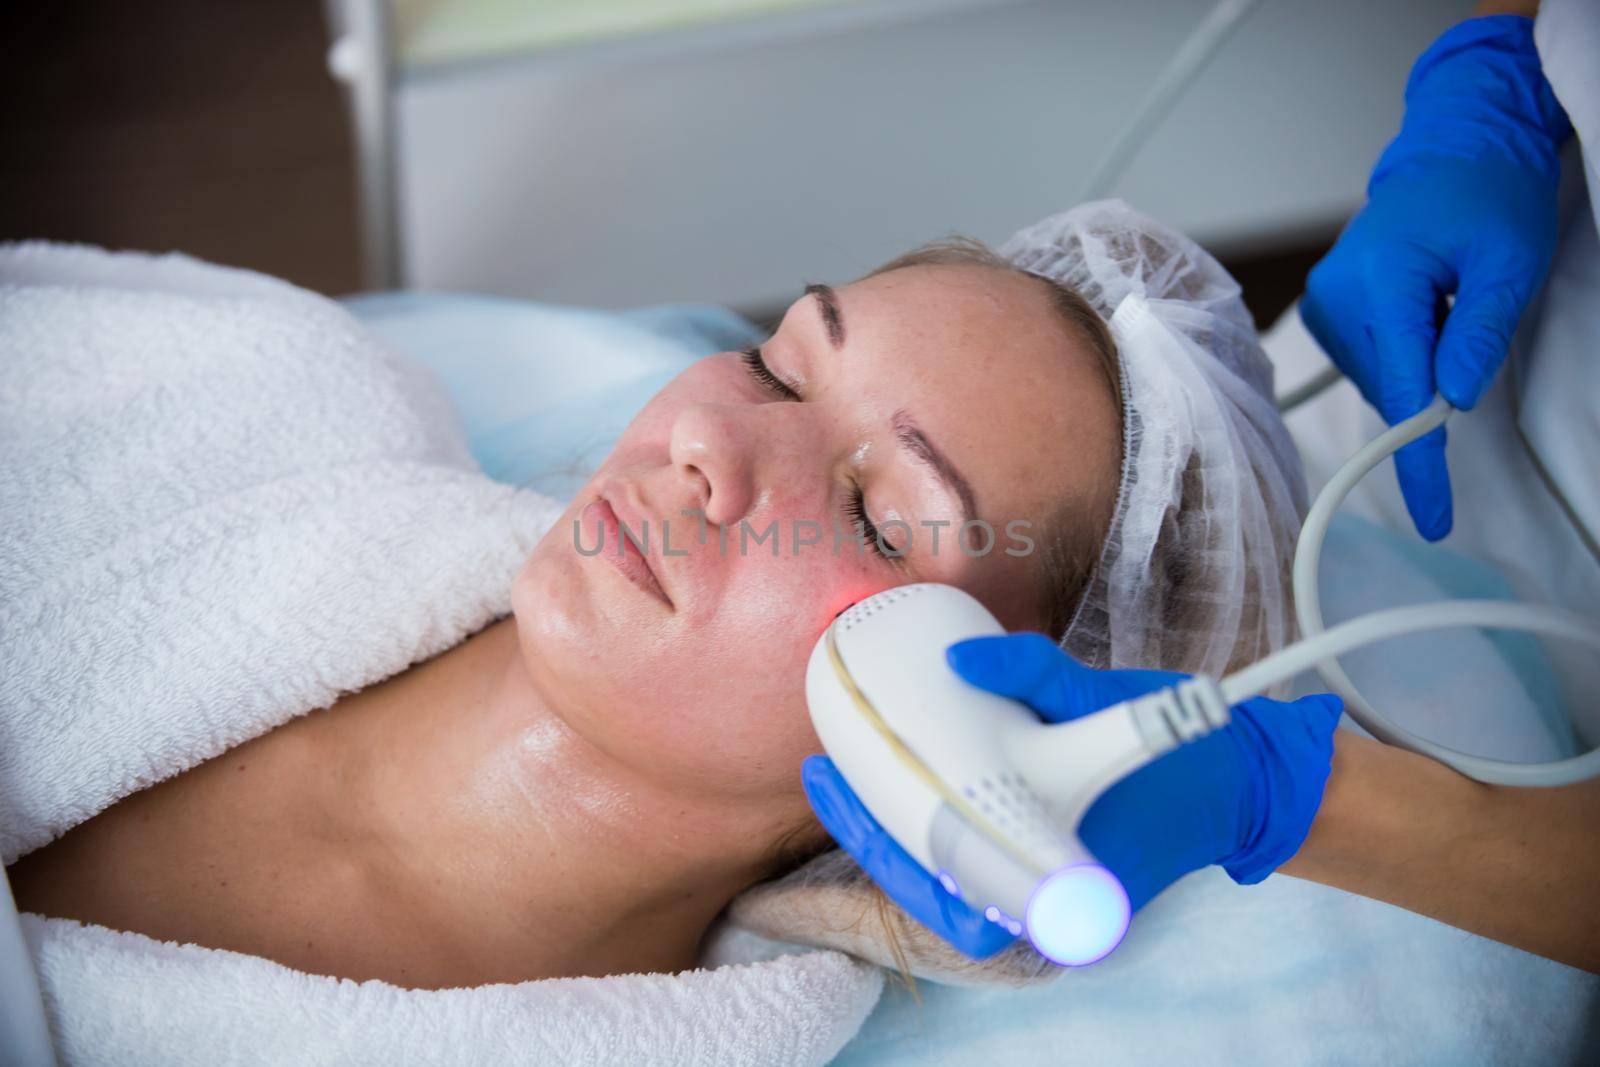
pixel 993 374
pixel 987 366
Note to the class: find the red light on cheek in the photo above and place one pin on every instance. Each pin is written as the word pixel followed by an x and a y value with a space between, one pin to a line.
pixel 844 603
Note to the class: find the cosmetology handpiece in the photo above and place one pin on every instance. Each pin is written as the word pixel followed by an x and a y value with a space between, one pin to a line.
pixel 974 786
pixel 988 799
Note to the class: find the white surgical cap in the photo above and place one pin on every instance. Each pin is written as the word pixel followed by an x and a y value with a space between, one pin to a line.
pixel 1194 572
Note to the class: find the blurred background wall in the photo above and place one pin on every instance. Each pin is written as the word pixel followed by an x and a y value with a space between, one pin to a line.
pixel 555 150
pixel 210 126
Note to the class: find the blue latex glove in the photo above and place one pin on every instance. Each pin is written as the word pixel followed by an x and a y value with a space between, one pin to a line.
pixel 1243 796
pixel 1463 201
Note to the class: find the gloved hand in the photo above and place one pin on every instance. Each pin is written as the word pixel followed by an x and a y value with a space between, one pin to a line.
pixel 1242 796
pixel 1463 201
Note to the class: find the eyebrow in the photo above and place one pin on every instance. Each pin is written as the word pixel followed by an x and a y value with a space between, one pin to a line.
pixel 914 441
pixel 906 431
pixel 828 305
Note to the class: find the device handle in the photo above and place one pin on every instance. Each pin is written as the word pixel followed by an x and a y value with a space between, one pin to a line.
pixel 1070 764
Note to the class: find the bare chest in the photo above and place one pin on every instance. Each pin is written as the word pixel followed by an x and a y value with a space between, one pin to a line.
pixel 219 856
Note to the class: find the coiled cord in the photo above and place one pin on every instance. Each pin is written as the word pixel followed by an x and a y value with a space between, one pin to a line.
pixel 1320 647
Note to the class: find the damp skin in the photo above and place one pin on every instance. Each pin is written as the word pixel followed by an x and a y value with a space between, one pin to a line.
pixel 582 787
pixel 709 691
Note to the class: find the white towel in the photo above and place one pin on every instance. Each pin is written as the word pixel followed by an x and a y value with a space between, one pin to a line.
pixel 119 998
pixel 224 505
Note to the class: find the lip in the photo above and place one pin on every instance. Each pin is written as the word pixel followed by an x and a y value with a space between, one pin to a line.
pixel 630 562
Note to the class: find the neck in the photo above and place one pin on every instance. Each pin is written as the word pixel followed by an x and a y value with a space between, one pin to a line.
pixel 517 842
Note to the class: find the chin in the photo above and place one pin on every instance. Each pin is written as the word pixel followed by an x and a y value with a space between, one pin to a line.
pixel 547 603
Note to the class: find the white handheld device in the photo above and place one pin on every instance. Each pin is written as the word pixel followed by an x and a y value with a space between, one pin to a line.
pixel 988 799
pixel 981 793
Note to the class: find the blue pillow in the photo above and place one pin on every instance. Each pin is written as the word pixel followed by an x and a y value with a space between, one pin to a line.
pixel 544 391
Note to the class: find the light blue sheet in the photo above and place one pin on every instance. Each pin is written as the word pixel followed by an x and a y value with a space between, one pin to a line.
pixel 1286 972
pixel 544 391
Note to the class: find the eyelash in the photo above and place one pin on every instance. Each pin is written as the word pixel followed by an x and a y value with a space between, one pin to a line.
pixel 856 506
pixel 757 366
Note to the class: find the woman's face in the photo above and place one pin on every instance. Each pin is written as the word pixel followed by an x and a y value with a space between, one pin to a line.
pixel 928 395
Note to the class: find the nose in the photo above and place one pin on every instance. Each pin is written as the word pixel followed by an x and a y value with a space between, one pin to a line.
pixel 712 450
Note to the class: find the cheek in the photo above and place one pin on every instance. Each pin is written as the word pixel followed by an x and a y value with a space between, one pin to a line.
pixel 749 659
pixel 733 700
pixel 724 697
pixel 718 699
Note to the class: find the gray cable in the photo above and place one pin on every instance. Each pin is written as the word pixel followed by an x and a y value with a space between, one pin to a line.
pixel 1320 647
pixel 1319 651
pixel 1186 64
pixel 1325 379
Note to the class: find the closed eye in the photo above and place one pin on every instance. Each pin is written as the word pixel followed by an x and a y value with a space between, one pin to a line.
pixel 856 508
pixel 757 366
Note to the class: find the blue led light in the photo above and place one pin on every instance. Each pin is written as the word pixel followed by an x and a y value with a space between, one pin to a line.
pixel 992 913
pixel 949 884
pixel 1078 915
